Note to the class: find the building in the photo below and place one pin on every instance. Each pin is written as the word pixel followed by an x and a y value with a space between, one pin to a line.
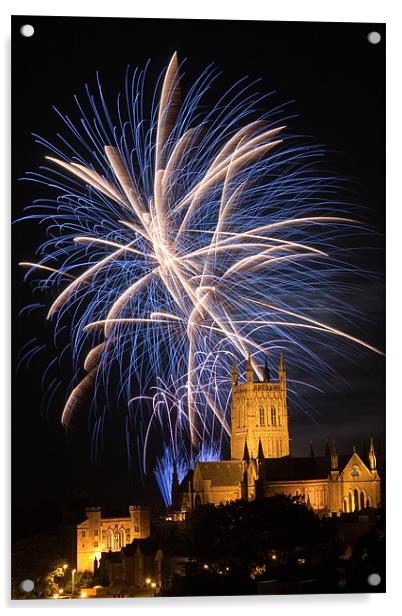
pixel 261 463
pixel 97 534
pixel 138 565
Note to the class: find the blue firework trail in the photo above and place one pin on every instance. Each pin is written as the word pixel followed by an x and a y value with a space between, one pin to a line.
pixel 182 238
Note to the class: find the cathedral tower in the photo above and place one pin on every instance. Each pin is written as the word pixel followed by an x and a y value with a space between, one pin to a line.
pixel 259 414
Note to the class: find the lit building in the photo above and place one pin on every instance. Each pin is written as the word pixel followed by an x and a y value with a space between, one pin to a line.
pixel 138 564
pixel 261 463
pixel 97 534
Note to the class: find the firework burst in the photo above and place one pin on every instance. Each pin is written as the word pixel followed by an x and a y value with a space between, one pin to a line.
pixel 181 239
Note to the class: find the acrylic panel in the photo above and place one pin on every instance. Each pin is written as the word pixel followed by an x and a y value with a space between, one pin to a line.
pixel 198 308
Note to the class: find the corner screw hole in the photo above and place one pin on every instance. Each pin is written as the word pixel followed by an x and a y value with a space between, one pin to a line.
pixel 374 579
pixel 374 37
pixel 27 585
pixel 27 30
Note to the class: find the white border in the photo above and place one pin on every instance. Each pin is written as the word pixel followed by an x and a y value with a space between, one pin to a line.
pixel 285 10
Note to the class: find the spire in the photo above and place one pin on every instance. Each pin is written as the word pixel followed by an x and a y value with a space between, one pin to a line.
pixel 246 454
pixel 282 369
pixel 311 450
pixel 260 454
pixel 267 373
pixel 235 374
pixel 249 370
pixel 334 457
pixel 372 456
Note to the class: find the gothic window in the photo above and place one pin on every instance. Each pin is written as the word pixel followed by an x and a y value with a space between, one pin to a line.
pixel 121 539
pixel 273 416
pixel 356 497
pixel 350 502
pixel 83 533
pixel 136 529
pixel 109 539
pixel 262 416
pixel 345 505
pixel 361 500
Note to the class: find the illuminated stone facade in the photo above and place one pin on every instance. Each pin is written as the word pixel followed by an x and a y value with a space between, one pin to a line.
pixel 259 414
pixel 96 534
pixel 261 464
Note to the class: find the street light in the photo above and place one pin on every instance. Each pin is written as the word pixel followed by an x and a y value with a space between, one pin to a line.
pixel 72 580
pixel 65 567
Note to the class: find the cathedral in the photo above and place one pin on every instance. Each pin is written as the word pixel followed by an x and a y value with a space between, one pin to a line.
pixel 261 463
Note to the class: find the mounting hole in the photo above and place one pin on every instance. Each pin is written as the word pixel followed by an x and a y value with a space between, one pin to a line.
pixel 27 585
pixel 374 579
pixel 374 37
pixel 27 30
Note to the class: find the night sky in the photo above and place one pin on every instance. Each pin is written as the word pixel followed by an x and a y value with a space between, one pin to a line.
pixel 336 80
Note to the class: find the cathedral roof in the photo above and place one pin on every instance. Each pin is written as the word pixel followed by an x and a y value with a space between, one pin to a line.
pixel 224 473
pixel 290 469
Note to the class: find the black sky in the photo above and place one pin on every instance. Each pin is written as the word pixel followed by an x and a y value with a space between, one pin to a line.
pixel 336 79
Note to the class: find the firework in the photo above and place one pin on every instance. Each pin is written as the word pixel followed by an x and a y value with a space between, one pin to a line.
pixel 183 238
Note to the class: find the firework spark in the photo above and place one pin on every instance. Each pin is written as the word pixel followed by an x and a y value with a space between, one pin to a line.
pixel 189 238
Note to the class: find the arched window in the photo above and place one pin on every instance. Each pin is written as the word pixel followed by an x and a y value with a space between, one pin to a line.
pixel 262 416
pixel 345 505
pixel 368 502
pixel 361 500
pixel 356 498
pixel 109 540
pixel 122 539
pixel 350 502
pixel 273 416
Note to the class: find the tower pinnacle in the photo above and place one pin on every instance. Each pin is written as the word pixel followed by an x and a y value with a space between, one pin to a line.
pixel 235 374
pixel 249 370
pixel 334 457
pixel 372 456
pixel 267 373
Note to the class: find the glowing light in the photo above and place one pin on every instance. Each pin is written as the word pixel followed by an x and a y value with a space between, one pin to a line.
pixel 190 238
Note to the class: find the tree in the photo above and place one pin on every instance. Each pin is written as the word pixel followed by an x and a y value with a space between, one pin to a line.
pixel 246 535
pixel 37 558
